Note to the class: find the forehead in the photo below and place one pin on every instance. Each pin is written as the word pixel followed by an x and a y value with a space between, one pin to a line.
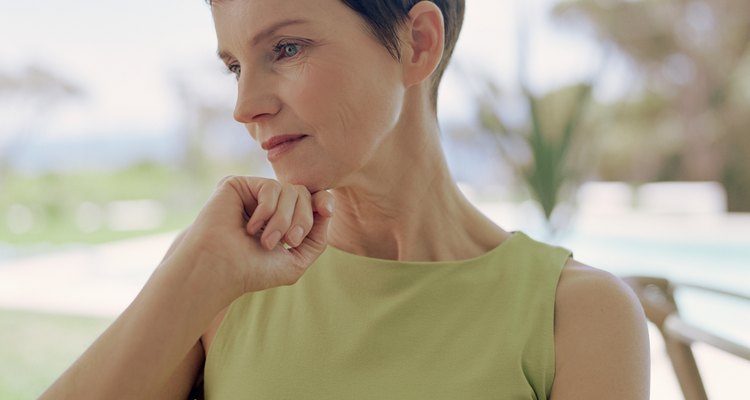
pixel 254 15
pixel 240 23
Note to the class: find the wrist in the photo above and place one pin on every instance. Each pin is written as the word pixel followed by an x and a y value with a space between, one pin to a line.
pixel 206 277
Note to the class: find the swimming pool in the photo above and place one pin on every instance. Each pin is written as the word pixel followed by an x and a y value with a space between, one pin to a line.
pixel 720 263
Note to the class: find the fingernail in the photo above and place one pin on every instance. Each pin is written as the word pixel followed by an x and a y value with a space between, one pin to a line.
pixel 329 207
pixel 295 236
pixel 273 239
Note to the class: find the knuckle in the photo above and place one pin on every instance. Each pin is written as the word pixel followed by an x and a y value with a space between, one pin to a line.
pixel 294 190
pixel 304 219
pixel 225 180
pixel 282 219
pixel 270 187
pixel 288 189
pixel 264 209
pixel 302 190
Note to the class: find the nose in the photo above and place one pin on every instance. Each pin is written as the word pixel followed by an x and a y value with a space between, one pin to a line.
pixel 256 98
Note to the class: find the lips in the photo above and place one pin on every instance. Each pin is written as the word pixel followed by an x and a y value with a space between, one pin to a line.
pixel 279 140
pixel 279 145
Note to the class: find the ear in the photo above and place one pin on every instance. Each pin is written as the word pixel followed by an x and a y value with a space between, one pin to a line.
pixel 423 39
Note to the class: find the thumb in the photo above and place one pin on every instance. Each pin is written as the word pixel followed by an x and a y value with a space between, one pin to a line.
pixel 317 240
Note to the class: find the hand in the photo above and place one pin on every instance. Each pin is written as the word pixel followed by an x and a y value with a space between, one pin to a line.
pixel 224 254
pixel 258 233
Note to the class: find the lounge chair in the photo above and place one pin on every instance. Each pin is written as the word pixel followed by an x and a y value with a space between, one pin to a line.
pixel 657 298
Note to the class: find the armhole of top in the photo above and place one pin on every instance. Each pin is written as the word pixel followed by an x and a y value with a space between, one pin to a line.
pixel 568 257
pixel 545 263
pixel 218 339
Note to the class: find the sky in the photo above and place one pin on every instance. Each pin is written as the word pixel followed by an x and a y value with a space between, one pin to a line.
pixel 127 55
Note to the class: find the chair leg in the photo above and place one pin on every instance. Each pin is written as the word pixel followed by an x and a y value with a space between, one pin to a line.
pixel 686 369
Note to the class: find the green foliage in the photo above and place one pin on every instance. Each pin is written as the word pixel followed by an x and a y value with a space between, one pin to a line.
pixel 53 200
pixel 541 152
pixel 549 172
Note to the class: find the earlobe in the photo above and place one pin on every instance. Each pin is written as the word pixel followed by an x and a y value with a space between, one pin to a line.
pixel 424 41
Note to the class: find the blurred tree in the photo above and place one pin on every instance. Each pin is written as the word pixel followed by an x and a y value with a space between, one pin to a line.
pixel 28 100
pixel 198 114
pixel 688 121
pixel 213 144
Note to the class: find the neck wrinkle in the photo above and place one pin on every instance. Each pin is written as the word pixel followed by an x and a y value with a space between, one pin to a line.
pixel 411 211
pixel 403 204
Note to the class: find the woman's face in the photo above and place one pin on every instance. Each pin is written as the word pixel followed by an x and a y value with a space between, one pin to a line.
pixel 315 89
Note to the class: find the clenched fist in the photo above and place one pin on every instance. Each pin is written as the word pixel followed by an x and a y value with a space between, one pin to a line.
pixel 257 233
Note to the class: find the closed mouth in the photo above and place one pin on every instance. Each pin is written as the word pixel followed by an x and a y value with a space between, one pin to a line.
pixel 279 140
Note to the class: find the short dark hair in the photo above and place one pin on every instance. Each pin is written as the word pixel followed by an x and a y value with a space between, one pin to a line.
pixel 385 17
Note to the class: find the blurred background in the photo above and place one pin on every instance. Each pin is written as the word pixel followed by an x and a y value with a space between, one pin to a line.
pixel 615 128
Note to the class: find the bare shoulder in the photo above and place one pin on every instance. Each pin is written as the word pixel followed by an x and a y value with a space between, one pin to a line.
pixel 582 285
pixel 601 338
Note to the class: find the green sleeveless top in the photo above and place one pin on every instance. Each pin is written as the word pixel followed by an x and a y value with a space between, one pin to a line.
pixel 360 328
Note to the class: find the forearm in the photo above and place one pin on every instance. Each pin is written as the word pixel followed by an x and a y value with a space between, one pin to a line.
pixel 135 356
pixel 215 261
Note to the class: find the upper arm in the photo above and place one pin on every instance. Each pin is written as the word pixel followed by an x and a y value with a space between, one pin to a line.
pixel 601 338
pixel 185 375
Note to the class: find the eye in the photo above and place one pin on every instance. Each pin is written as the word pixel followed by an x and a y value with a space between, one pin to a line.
pixel 234 69
pixel 287 50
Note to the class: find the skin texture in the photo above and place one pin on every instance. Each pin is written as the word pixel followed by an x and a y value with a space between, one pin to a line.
pixel 318 92
pixel 372 136
pixel 367 175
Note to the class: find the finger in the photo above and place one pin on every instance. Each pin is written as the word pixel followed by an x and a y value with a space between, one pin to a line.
pixel 317 240
pixel 268 193
pixel 279 223
pixel 232 200
pixel 323 203
pixel 302 219
pixel 245 188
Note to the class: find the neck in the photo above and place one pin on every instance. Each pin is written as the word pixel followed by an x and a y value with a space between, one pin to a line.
pixel 406 206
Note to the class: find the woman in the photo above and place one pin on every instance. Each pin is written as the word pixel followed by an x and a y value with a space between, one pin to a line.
pixel 405 290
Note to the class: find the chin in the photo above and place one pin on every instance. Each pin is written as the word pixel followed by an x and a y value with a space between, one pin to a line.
pixel 308 179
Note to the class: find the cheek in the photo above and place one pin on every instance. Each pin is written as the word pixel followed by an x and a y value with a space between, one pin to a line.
pixel 348 110
pixel 311 93
pixel 340 102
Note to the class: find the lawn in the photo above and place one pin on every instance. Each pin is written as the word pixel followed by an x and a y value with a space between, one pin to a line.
pixel 53 202
pixel 36 348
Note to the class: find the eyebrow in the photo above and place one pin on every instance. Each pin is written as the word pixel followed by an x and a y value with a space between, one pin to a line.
pixel 265 33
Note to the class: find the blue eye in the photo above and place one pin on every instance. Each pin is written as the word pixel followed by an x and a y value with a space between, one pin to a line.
pixel 287 49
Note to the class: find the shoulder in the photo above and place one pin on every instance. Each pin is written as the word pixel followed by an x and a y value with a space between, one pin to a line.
pixel 601 338
pixel 596 290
